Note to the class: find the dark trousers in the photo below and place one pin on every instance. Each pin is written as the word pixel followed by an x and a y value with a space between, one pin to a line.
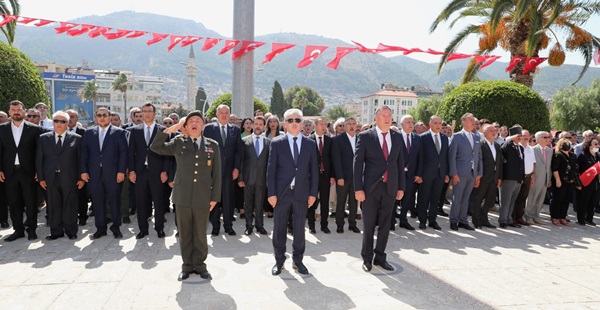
pixel 345 193
pixel 377 210
pixel 560 200
pixel 443 194
pixel 254 197
pixel 148 190
pixel 587 200
pixel 82 203
pixel 238 197
pixel 286 205
pixel 167 196
pixel 486 196
pixel 407 203
pixel 323 202
pixel 224 207
pixel 191 224
pixel 428 200
pixel 21 190
pixel 3 203
pixel 62 208
pixel 99 192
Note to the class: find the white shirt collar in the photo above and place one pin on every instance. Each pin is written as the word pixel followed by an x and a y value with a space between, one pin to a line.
pixel 17 127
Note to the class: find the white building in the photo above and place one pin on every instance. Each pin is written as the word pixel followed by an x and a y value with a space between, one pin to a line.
pixel 398 100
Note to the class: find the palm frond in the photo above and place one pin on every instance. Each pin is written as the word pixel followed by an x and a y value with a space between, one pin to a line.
pixel 450 9
pixel 498 11
pixel 456 42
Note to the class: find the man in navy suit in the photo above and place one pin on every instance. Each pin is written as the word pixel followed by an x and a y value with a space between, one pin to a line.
pixel 464 159
pixel 82 209
pixel 378 182
pixel 434 173
pixel 230 142
pixel 413 161
pixel 148 171
pixel 292 185
pixel 103 165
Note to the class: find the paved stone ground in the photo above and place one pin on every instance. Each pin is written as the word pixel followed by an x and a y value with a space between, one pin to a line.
pixel 540 267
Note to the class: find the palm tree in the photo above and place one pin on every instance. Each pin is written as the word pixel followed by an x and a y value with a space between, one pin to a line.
pixel 337 111
pixel 89 91
pixel 120 84
pixel 5 9
pixel 524 28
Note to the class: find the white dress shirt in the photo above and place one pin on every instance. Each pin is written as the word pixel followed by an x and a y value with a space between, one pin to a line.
pixel 388 139
pixel 47 124
pixel 261 143
pixel 492 148
pixel 17 132
pixel 352 142
pixel 529 159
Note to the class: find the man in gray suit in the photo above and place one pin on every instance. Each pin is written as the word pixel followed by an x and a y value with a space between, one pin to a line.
pixel 254 174
pixel 543 178
pixel 464 158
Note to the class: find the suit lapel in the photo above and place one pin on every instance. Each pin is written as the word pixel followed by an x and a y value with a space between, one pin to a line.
pixel 106 136
pixel 394 145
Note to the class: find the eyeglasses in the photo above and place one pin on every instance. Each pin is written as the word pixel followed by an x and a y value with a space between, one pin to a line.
pixel 62 121
pixel 33 116
pixel 297 120
pixel 167 123
pixel 99 115
pixel 569 137
pixel 533 140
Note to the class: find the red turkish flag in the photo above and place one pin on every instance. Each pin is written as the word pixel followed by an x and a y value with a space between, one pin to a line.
pixel 340 52
pixel 156 37
pixel 434 52
pixel 98 31
pixel 361 48
pixel 389 48
pixel 26 20
pixel 229 45
pixel 532 62
pixel 276 49
pixel 481 58
pixel 77 32
pixel 489 61
pixel 7 19
pixel 514 61
pixel 209 43
pixel 311 52
pixel 116 35
pixel 246 47
pixel 190 40
pixel 455 56
pixel 588 176
pixel 597 57
pixel 174 41
pixel 136 34
pixel 413 50
pixel 64 27
pixel 43 22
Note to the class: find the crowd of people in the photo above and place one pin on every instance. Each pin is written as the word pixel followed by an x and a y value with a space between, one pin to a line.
pixel 292 169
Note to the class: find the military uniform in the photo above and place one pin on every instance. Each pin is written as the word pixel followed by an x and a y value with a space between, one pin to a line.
pixel 197 182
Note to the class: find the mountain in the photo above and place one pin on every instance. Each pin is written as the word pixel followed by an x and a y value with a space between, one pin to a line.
pixel 359 74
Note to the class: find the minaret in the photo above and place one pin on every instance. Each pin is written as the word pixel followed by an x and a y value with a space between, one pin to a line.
pixel 191 80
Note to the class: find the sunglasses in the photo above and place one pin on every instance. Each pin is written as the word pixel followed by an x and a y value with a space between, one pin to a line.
pixel 102 115
pixel 56 121
pixel 33 116
pixel 569 137
pixel 167 123
pixel 297 120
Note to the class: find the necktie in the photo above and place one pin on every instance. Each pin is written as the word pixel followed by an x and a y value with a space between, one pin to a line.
pixel 223 136
pixel 296 152
pixel 59 143
pixel 544 153
pixel 195 144
pixel 437 143
pixel 257 146
pixel 41 123
pixel 407 143
pixel 385 155
pixel 322 166
pixel 148 135
pixel 102 131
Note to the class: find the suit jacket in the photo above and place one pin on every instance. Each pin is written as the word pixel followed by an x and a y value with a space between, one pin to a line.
pixel 492 169
pixel 370 164
pixel 342 157
pixel 49 159
pixel 196 182
pixel 514 163
pixel 254 168
pixel 435 165
pixel 542 168
pixel 281 169
pixel 413 161
pixel 463 159
pixel 138 150
pixel 231 151
pixel 108 162
pixel 26 148
pixel 326 157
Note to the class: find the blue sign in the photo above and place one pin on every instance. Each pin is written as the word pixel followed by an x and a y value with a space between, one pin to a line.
pixel 65 98
pixel 68 76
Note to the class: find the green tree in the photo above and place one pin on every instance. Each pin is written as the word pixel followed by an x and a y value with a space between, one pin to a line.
pixel 89 91
pixel 19 79
pixel 277 100
pixel 120 84
pixel 448 87
pixel 523 28
pixel 426 107
pixel 505 102
pixel 336 112
pixel 306 99
pixel 577 108
pixel 11 8
pixel 200 99
pixel 226 99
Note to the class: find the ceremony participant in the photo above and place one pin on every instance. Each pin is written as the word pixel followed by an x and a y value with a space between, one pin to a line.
pixel 230 142
pixel 588 196
pixel 292 185
pixel 44 122
pixel 197 188
pixel 343 150
pixel 253 176
pixel 464 158
pixel 378 181
pixel 326 176
pixel 492 164
pixel 543 178
pixel 566 179
pixel 273 127
pixel 83 197
pixel 3 200
pixel 529 162
pixel 4 117
pixel 57 155
pixel 307 127
pixel 420 128
pixel 513 173
pixel 18 141
pixel 103 165
pixel 115 119
pixel 135 115
pixel 33 116
pixel 148 171
pixel 174 117
pixel 413 161
pixel 247 125
pixel 434 173
pixel 587 136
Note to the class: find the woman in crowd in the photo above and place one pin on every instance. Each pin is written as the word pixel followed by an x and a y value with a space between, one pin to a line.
pixel 588 196
pixel 246 127
pixel 273 129
pixel 566 177
pixel 339 126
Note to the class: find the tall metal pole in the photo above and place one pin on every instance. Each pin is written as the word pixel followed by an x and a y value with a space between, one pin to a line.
pixel 242 97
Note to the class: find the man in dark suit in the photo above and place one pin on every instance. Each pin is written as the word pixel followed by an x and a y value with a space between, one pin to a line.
pixel 103 165
pixel 83 197
pixel 413 161
pixel 513 174
pixel 135 115
pixel 3 199
pixel 342 151
pixel 230 141
pixel 57 158
pixel 18 141
pixel 434 173
pixel 378 182
pixel 326 176
pixel 253 176
pixel 491 159
pixel 148 171
pixel 292 184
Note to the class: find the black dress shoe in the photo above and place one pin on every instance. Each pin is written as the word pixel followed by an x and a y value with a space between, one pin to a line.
pixel 215 232
pixel 141 235
pixel 132 212
pixel 406 226
pixel 503 225
pixel 161 234
pixel 325 230
pixel 276 270
pixel 126 220
pixel 354 229
pixel 488 225
pixel 248 232
pixel 465 226
pixel 422 226
pixel 454 226
pixel 72 237
pixel 31 236
pixel 118 235
pixel 340 230
pixel 367 266
pixel 204 275
pixel 54 237
pixel 435 226
pixel 4 224
pixel 384 265
pixel 82 222
pixel 230 232
pixel 262 231
pixel 300 268
pixel 183 275
pixel 98 235
pixel 590 223
pixel 392 227
pixel 515 225
pixel 312 230
pixel 14 237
